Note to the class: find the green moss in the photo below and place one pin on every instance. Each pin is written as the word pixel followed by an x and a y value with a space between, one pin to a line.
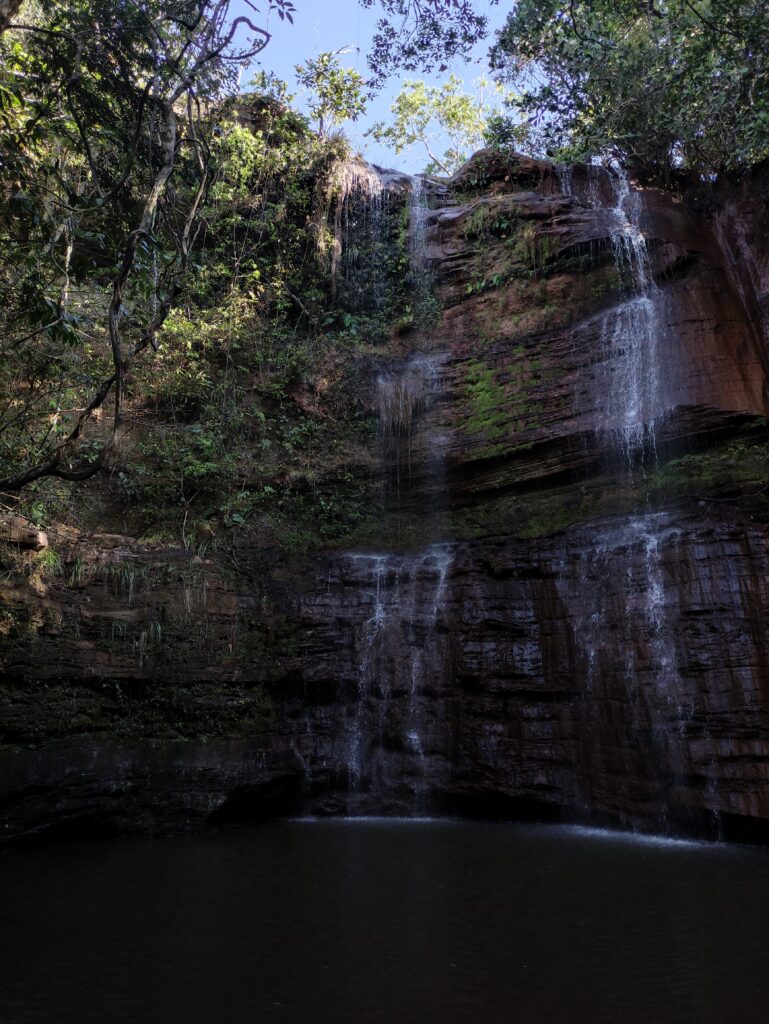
pixel 485 398
pixel 736 464
pixel 501 403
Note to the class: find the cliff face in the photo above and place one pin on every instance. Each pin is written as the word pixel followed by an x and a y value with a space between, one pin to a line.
pixel 565 609
pixel 556 336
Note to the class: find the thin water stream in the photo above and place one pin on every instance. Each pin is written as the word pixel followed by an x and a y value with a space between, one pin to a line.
pixel 625 578
pixel 401 651
pixel 400 642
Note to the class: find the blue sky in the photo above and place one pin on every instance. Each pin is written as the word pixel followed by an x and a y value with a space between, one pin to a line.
pixel 331 24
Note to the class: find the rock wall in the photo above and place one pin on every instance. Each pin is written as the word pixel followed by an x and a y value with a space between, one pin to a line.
pixel 556 621
pixel 619 669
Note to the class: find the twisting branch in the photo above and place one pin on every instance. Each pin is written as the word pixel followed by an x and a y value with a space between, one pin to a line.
pixel 207 38
pixel 140 233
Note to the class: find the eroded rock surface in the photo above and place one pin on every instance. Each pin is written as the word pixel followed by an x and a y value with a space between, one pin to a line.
pixel 565 611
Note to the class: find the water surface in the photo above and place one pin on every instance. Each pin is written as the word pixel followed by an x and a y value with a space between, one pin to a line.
pixel 392 921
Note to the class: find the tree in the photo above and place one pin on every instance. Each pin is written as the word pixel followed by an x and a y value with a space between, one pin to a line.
pixel 664 82
pixel 507 134
pixel 105 130
pixel 425 114
pixel 336 92
pixel 418 35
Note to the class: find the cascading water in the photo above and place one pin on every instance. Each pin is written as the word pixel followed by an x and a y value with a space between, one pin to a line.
pixel 420 275
pixel 625 578
pixel 405 395
pixel 401 644
pixel 402 396
pixel 359 231
pixel 395 724
pixel 629 381
pixel 565 179
pixel 622 577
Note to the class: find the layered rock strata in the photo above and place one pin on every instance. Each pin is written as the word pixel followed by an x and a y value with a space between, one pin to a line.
pixel 552 624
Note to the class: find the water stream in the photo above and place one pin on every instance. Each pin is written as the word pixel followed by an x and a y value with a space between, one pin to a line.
pixel 401 645
pixel 397 721
pixel 623 576
pixel 360 225
pixel 628 392
pixel 409 441
pixel 420 271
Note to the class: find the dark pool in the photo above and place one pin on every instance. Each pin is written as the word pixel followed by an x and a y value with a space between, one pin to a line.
pixel 376 920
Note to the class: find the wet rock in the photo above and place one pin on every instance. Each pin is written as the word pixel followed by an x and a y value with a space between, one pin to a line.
pixel 579 627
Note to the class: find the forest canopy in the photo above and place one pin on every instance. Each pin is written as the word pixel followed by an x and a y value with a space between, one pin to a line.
pixel 682 82
pixel 665 82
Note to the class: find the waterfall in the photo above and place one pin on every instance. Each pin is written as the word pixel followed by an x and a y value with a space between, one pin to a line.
pixel 420 276
pixel 627 395
pixel 401 396
pixel 626 578
pixel 395 728
pixel 374 567
pixel 623 574
pixel 629 377
pixel 410 442
pixel 630 334
pixel 400 643
pixel 565 177
pixel 359 235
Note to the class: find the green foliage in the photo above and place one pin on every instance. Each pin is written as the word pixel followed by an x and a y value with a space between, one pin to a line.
pixel 507 134
pixel 244 401
pixel 421 34
pixel 669 82
pixel 336 93
pixel 483 284
pixel 423 113
pixel 522 251
pixel 106 159
pixel 49 563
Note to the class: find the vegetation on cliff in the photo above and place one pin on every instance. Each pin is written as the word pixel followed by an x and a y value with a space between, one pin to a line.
pixel 170 319
pixel 173 314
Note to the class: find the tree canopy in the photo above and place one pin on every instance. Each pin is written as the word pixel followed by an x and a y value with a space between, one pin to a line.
pixel 422 114
pixel 106 150
pixel 417 35
pixel 665 82
pixel 336 93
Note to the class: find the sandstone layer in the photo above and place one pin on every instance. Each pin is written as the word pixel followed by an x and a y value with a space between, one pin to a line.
pixel 554 621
